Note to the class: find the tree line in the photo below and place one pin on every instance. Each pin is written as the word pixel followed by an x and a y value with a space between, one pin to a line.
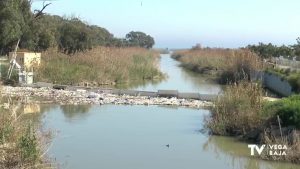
pixel 269 50
pixel 39 31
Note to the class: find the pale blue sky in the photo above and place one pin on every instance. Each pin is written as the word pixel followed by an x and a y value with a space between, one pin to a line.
pixel 183 23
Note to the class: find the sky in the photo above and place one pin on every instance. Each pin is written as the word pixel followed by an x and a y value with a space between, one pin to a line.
pixel 183 23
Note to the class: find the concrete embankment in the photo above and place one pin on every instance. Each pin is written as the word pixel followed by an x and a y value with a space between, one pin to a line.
pixel 76 95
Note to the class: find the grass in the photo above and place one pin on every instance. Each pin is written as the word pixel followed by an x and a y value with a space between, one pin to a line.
pixel 102 65
pixel 288 110
pixel 20 143
pixel 242 112
pixel 237 111
pixel 228 65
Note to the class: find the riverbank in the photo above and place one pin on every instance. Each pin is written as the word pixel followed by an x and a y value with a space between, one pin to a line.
pixel 23 144
pixel 79 96
pixel 99 66
pixel 225 65
pixel 242 112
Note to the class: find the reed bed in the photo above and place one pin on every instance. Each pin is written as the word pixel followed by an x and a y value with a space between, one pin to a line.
pixel 101 65
pixel 229 65
pixel 238 111
pixel 242 112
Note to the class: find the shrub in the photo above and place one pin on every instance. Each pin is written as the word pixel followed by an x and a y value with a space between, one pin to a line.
pixel 294 80
pixel 288 110
pixel 237 111
pixel 28 145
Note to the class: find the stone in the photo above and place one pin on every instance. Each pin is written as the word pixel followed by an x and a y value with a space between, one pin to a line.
pixel 83 96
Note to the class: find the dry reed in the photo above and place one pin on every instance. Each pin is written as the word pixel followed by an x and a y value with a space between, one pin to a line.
pixel 102 65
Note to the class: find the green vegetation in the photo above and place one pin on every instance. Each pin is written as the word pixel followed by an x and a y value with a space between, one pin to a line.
pixel 270 50
pixel 242 112
pixel 139 39
pixel 39 31
pixel 288 109
pixel 71 37
pixel 102 65
pixel 228 65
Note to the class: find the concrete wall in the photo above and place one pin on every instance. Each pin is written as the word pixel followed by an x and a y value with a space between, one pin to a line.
pixel 277 84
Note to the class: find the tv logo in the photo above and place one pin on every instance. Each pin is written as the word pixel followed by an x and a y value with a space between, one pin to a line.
pixel 271 150
pixel 258 149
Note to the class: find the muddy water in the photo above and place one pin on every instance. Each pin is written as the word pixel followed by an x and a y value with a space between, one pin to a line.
pixel 135 137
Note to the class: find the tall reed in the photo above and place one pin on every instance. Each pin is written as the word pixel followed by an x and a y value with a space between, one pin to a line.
pixel 238 111
pixel 101 65
pixel 230 65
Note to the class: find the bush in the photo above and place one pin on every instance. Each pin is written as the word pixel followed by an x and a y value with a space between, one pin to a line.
pixel 237 111
pixel 294 80
pixel 288 110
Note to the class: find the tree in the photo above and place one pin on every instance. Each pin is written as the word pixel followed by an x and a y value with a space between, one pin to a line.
pixel 100 36
pixel 140 39
pixel 75 36
pixel 18 22
pixel 14 18
pixel 296 48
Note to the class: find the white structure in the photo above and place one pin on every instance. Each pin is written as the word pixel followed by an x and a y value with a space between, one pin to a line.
pixel 24 77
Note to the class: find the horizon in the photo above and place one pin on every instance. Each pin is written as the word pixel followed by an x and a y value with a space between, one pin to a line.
pixel 225 24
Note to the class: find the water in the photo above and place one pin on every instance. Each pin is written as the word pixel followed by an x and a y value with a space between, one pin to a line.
pixel 135 137
pixel 181 79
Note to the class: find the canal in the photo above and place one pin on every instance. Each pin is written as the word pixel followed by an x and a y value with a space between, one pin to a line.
pixel 146 137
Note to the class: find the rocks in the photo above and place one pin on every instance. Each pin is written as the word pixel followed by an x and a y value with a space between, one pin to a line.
pixel 75 97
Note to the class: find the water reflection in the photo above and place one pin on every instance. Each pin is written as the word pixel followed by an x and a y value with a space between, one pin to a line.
pixel 237 155
pixel 75 111
pixel 31 108
pixel 140 83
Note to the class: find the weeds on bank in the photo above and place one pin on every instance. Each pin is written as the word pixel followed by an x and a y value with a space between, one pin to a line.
pixel 228 65
pixel 242 112
pixel 20 143
pixel 237 111
pixel 102 65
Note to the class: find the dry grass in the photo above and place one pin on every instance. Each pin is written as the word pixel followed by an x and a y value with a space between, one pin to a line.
pixel 102 65
pixel 21 144
pixel 241 112
pixel 230 65
pixel 292 141
pixel 237 112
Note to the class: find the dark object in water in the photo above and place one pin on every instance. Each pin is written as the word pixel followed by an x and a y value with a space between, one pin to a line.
pixel 168 145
